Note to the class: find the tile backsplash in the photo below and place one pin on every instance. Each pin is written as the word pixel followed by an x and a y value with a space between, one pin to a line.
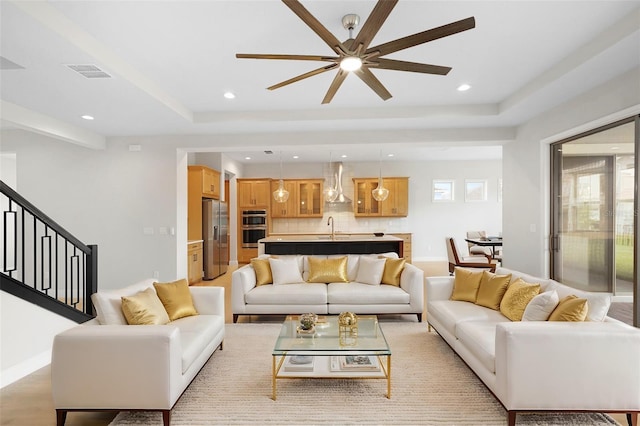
pixel 344 222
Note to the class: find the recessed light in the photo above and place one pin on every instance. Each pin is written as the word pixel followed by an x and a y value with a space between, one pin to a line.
pixel 229 95
pixel 344 156
pixel 615 147
pixel 296 157
pixel 463 87
pixel 87 117
pixel 247 158
pixel 390 155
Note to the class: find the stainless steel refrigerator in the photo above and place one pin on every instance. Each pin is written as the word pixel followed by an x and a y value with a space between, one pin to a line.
pixel 214 234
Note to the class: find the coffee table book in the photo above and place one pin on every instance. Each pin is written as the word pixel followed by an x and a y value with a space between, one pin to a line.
pixel 299 363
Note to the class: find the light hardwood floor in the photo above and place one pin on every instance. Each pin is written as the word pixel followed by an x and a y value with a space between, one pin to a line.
pixel 28 402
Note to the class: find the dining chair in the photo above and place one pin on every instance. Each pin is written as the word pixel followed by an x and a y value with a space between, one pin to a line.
pixel 478 261
pixel 475 249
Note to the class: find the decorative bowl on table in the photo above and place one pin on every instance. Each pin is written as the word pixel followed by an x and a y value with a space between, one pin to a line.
pixel 378 234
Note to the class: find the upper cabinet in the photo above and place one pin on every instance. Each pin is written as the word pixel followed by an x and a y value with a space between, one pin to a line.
pixel 254 193
pixel 396 204
pixel 305 199
pixel 206 181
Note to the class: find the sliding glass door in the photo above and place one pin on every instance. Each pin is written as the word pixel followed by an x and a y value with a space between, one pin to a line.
pixel 594 210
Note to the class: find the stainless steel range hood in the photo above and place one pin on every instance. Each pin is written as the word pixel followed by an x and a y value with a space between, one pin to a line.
pixel 342 200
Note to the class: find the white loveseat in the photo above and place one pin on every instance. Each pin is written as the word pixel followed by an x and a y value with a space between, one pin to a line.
pixel 327 298
pixel 106 364
pixel 542 365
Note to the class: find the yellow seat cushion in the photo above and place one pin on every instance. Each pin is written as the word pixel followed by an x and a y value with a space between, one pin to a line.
pixel 570 308
pixel 144 308
pixel 262 269
pixel 176 298
pixel 517 297
pixel 465 284
pixel 332 270
pixel 492 289
pixel 392 271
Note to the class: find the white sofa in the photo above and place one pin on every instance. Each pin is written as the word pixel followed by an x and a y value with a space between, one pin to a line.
pixel 327 298
pixel 542 365
pixel 106 364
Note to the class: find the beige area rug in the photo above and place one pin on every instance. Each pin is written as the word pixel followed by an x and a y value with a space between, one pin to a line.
pixel 430 386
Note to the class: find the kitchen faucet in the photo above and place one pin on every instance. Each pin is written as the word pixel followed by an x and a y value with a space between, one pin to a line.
pixel 330 220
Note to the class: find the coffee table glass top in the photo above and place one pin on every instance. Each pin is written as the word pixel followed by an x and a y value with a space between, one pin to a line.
pixel 327 340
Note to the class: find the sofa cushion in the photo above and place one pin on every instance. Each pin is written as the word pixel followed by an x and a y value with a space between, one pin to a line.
pixel 290 294
pixel 196 332
pixel 363 294
pixel 541 306
pixel 370 270
pixel 465 284
pixel 599 303
pixel 545 284
pixel 480 339
pixel 570 308
pixel 262 268
pixel 285 271
pixel 176 298
pixel 144 308
pixel 327 270
pixel 108 303
pixel 392 271
pixel 517 297
pixel 452 312
pixel 492 288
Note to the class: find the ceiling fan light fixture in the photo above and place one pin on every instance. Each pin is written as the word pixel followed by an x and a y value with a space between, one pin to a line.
pixel 351 63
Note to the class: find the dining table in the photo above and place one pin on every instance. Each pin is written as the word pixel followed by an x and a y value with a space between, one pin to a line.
pixel 491 242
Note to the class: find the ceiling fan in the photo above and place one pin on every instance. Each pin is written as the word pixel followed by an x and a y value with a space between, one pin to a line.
pixel 355 55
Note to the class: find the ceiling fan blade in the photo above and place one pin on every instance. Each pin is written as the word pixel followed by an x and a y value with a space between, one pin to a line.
pixel 303 76
pixel 288 57
pixel 367 76
pixel 371 27
pixel 423 37
pixel 335 85
pixel 315 25
pixel 392 64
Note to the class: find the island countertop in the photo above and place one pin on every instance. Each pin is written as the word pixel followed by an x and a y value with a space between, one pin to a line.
pixel 323 244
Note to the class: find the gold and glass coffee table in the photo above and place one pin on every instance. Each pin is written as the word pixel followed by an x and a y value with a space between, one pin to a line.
pixel 332 352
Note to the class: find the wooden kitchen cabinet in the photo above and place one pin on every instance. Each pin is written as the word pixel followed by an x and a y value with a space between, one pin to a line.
pixel 305 199
pixel 396 205
pixel 205 180
pixel 406 245
pixel 254 193
pixel 194 262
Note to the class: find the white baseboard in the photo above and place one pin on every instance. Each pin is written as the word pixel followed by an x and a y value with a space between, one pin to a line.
pixel 17 372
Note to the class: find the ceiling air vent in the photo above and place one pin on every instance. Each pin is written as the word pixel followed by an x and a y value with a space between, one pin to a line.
pixel 89 71
pixel 268 152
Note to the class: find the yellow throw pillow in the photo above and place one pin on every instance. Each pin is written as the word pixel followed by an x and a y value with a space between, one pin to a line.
pixel 327 270
pixel 176 298
pixel 144 308
pixel 262 269
pixel 492 289
pixel 465 284
pixel 517 297
pixel 392 271
pixel 570 308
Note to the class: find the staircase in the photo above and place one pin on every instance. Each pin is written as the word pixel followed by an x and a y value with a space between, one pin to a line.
pixel 42 262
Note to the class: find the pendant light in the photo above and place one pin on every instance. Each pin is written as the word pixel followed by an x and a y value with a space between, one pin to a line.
pixel 331 193
pixel 380 193
pixel 281 195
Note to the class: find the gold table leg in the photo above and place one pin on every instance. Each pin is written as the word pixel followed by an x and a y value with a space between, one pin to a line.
pixel 273 378
pixel 389 376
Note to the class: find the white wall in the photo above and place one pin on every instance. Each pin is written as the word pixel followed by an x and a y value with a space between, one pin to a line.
pixel 526 166
pixel 27 336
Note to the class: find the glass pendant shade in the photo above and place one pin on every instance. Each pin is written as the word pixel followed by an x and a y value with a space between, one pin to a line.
pixel 331 193
pixel 380 193
pixel 281 195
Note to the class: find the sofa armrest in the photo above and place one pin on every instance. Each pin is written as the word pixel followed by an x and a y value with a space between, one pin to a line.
pixel 242 281
pixel 412 281
pixel 568 365
pixel 439 288
pixel 117 366
pixel 208 300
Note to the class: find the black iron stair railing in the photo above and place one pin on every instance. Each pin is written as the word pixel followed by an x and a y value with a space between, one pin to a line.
pixel 42 262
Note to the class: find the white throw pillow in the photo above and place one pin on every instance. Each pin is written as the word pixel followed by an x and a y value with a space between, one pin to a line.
pixel 370 270
pixel 541 306
pixel 285 271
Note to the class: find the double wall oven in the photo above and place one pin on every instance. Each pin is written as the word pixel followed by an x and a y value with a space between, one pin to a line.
pixel 254 227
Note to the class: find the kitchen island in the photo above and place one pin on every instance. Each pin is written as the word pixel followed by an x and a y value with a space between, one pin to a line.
pixel 323 244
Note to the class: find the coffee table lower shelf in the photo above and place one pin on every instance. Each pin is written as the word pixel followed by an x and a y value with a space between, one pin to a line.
pixel 322 370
